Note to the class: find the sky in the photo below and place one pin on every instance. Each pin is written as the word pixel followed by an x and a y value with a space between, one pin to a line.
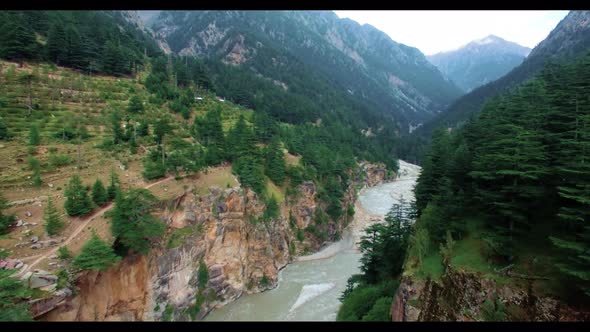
pixel 440 31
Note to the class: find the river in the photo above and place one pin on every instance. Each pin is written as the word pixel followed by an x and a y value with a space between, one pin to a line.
pixel 309 288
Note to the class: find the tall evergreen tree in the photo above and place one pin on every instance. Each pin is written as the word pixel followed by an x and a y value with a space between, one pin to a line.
pixel 113 185
pixel 34 137
pixel 132 222
pixel 13 294
pixel 99 193
pixel 53 223
pixel 95 255
pixel 275 162
pixel 57 44
pixel 17 40
pixel 77 201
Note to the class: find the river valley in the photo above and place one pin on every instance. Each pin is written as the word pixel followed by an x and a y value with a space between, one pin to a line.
pixel 309 288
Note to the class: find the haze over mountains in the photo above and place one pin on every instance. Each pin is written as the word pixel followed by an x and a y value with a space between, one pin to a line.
pixel 569 39
pixel 479 62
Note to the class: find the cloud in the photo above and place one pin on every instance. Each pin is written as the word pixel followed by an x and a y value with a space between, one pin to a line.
pixel 444 30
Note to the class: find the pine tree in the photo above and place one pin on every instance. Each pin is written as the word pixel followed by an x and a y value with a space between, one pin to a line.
pixel 13 294
pixel 53 223
pixel 113 185
pixel 240 140
pixel 275 162
pixel 17 40
pixel 99 193
pixel 57 44
pixel 116 127
pixel 135 105
pixel 95 255
pixel 5 220
pixel 75 48
pixel 112 59
pixel 272 210
pixel 4 134
pixel 132 222
pixel 34 138
pixel 77 201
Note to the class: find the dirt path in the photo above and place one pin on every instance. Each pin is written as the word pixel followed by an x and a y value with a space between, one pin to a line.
pixel 84 222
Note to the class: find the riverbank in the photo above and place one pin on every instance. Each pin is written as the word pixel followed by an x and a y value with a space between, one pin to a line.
pixel 309 288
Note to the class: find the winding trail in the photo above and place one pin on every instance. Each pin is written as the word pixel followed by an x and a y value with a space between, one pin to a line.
pixel 84 222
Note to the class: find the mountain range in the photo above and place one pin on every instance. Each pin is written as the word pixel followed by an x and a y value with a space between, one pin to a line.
pixel 394 79
pixel 480 62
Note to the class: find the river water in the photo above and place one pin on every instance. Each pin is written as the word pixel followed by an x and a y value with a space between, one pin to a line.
pixel 309 288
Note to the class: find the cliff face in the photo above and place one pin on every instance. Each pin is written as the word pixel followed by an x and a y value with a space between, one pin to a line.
pixel 243 254
pixel 462 296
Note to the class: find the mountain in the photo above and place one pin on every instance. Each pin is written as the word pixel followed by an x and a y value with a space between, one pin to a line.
pixel 569 39
pixel 361 61
pixel 479 62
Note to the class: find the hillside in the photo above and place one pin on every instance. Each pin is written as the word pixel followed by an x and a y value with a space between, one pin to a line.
pixel 479 62
pixel 314 54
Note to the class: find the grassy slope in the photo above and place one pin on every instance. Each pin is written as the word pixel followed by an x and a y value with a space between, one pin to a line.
pixel 66 95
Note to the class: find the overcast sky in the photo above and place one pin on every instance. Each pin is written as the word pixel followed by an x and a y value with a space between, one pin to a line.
pixel 438 31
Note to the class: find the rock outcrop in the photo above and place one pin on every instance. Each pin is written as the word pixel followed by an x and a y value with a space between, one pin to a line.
pixel 462 296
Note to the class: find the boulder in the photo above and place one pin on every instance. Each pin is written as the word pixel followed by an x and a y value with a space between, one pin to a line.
pixel 50 185
pixel 34 239
pixel 189 216
pixel 3 263
pixel 39 280
pixel 37 246
pixel 19 264
pixel 19 223
pixel 26 276
pixel 28 214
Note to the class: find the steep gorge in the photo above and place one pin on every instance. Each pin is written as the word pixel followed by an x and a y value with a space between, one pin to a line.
pixel 242 253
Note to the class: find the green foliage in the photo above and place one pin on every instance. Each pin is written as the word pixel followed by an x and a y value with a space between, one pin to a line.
pixel 113 185
pixel 350 210
pixel 77 201
pixel 64 253
pixel 5 220
pixel 135 105
pixel 99 193
pixel 384 246
pixel 12 295
pixel 34 138
pixel 132 222
pixel 275 162
pixel 264 281
pixel 367 301
pixel 272 211
pixel 493 311
pixel 250 171
pixel 95 255
pixel 168 313
pixel 203 275
pixel 59 160
pixel 4 134
pixel 178 236
pixel 53 223
pixel 300 235
pixel 380 312
pixel 521 165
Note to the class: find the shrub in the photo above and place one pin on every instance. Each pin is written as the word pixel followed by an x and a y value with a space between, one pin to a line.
pixel 96 255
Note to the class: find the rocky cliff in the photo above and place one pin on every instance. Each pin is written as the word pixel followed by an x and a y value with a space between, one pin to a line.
pixel 467 296
pixel 225 231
